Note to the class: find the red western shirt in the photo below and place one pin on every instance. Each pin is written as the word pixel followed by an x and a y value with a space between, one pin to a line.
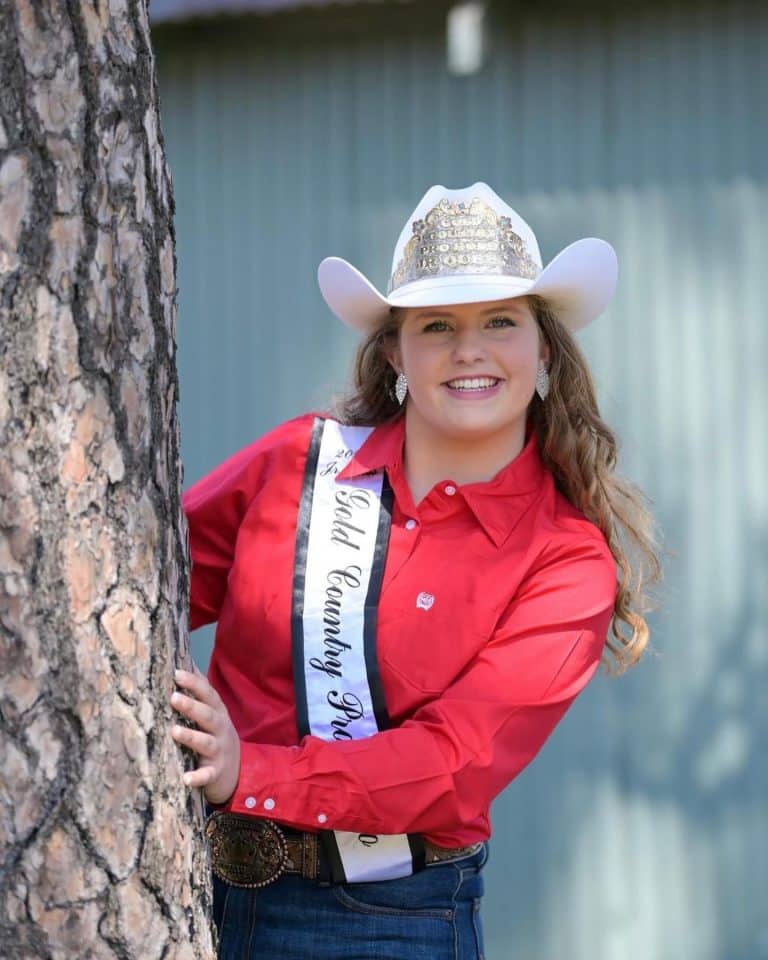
pixel 522 589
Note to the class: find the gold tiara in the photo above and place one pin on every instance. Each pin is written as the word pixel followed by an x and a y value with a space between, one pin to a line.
pixel 463 238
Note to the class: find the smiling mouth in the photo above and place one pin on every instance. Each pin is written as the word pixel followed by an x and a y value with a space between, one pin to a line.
pixel 470 384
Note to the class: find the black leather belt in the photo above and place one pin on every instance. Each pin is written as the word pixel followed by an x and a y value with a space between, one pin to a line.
pixel 250 852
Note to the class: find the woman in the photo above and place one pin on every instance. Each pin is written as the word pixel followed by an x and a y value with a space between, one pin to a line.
pixel 409 596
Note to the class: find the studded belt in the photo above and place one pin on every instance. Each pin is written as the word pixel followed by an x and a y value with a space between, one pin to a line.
pixel 251 852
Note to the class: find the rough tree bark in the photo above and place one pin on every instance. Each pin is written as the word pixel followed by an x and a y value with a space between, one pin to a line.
pixel 101 855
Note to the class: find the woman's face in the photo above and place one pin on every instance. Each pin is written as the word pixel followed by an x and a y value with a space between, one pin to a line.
pixel 471 368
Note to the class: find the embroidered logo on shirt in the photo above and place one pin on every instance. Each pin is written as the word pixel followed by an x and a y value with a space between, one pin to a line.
pixel 424 601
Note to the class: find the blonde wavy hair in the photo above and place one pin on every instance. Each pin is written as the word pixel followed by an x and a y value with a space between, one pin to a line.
pixel 576 446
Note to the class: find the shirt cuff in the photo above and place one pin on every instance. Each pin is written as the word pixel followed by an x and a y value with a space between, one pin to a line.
pixel 267 787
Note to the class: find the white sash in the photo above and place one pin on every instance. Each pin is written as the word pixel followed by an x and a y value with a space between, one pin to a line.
pixel 341 547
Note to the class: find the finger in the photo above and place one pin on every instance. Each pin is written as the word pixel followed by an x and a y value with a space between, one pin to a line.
pixel 201 743
pixel 200 777
pixel 197 684
pixel 205 718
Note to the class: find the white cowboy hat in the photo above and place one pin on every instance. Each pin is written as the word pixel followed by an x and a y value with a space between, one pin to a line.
pixel 467 246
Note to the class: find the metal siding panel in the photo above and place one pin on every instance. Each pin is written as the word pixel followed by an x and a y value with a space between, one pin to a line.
pixel 641 830
pixel 179 10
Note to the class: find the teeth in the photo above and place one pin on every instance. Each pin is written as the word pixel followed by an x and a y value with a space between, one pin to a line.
pixel 475 383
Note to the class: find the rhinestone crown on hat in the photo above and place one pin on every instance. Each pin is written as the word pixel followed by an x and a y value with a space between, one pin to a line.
pixel 463 238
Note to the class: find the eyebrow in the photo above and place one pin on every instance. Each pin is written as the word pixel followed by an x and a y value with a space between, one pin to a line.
pixel 447 312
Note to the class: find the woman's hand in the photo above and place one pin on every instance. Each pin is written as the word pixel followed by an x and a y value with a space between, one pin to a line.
pixel 215 741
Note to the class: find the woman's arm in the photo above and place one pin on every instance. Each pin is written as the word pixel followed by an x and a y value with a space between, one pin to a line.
pixel 443 766
pixel 215 507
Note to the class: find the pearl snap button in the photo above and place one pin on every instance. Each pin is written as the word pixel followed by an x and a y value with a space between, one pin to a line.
pixel 450 490
pixel 321 818
pixel 250 802
pixel 269 804
pixel 410 524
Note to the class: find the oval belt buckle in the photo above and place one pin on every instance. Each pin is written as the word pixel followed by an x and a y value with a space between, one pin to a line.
pixel 246 851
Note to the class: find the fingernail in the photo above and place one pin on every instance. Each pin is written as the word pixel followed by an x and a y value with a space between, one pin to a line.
pixel 187 777
pixel 179 674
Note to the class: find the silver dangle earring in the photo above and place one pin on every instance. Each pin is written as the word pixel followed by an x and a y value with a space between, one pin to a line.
pixel 401 388
pixel 542 382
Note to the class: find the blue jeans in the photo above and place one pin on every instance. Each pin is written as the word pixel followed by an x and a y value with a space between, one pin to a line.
pixel 432 915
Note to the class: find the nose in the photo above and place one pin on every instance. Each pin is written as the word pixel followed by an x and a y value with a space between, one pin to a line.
pixel 468 345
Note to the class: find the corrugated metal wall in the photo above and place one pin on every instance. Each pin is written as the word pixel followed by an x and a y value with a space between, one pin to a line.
pixel 641 832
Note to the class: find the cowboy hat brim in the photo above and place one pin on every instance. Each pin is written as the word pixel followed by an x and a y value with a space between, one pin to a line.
pixel 577 284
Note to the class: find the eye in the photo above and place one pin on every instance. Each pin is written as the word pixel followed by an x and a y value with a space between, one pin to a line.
pixel 502 321
pixel 436 326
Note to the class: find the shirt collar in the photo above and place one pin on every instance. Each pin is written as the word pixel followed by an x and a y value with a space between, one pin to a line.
pixel 497 504
pixel 382 448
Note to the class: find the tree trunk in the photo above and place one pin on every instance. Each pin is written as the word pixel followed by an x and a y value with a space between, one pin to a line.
pixel 100 844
